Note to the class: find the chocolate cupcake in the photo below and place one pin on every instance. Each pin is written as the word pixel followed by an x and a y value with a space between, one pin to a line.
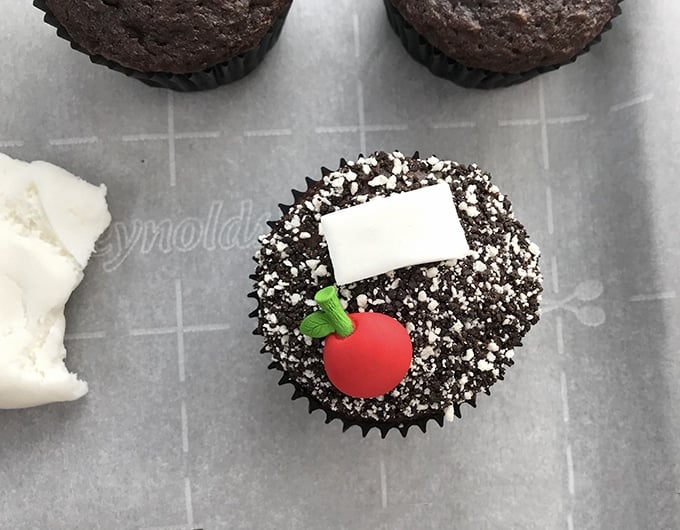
pixel 395 289
pixel 184 45
pixel 490 44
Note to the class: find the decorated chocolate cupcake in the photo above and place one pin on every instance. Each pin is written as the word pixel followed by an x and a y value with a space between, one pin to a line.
pixel 179 44
pixel 395 289
pixel 489 44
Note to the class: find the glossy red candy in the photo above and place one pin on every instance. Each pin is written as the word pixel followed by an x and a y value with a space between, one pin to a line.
pixel 371 361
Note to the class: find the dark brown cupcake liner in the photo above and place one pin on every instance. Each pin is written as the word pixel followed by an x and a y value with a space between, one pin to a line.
pixel 300 392
pixel 443 66
pixel 213 77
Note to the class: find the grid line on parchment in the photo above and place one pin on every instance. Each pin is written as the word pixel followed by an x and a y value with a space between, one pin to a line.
pixel 631 102
pixel 543 121
pixel 360 126
pixel 179 330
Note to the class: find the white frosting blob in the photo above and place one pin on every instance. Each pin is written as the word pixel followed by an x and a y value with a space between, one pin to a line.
pixel 49 223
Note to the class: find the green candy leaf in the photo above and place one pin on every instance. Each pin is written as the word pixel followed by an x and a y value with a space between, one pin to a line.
pixel 317 325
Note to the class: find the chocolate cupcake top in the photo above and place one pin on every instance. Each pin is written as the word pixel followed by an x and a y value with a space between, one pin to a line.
pixel 173 36
pixel 511 36
pixel 464 317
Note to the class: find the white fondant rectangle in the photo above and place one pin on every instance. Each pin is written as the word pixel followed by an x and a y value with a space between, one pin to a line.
pixel 387 233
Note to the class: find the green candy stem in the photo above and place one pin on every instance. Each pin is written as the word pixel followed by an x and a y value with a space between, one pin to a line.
pixel 328 300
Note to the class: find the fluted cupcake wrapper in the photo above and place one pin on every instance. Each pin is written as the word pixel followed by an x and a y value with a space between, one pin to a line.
pixel 443 66
pixel 213 77
pixel 300 392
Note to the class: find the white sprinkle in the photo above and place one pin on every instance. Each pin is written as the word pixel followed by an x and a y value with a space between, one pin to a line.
pixel 490 357
pixel 470 196
pixel 396 170
pixel 305 235
pixel 295 298
pixel 432 337
pixel 320 271
pixel 272 318
pixel 433 305
pixel 422 296
pixel 479 266
pixel 534 249
pixel 312 263
pixel 354 188
pixel 432 272
pixel 351 176
pixel 469 354
pixel 380 180
pixel 427 352
pixel 458 327
pixel 493 347
pixel 509 354
pixel 433 160
pixel 410 327
pixel 362 300
pixel 484 366
pixel 438 166
pixel 448 413
pixel 391 183
pixel 338 182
